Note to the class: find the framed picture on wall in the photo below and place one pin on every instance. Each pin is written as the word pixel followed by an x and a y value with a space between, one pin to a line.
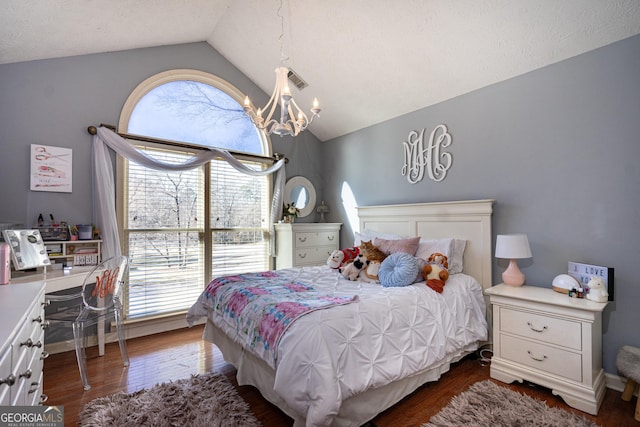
pixel 51 168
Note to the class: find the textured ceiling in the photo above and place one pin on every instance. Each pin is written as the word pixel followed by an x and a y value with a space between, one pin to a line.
pixel 366 60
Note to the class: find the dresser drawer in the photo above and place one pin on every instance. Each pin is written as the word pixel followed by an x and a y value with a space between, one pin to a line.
pixel 539 356
pixel 310 239
pixel 312 256
pixel 565 333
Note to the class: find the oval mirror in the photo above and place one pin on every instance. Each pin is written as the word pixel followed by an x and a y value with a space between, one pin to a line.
pixel 301 192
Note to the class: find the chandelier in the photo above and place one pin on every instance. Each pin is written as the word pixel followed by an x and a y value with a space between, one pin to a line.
pixel 292 119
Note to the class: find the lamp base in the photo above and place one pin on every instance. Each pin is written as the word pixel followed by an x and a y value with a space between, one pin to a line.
pixel 512 276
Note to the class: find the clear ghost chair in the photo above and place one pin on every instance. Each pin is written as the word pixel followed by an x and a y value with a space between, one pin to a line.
pixel 99 299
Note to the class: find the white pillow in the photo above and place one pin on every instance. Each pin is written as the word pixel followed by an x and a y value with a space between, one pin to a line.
pixel 452 248
pixel 370 235
pixel 456 262
pixel 428 246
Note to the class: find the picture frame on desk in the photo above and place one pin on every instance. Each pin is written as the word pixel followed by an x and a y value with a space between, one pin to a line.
pixel 585 272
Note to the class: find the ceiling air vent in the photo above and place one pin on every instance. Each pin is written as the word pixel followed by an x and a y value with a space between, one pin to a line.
pixel 296 80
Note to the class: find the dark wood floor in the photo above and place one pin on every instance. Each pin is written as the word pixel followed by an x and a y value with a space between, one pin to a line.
pixel 177 354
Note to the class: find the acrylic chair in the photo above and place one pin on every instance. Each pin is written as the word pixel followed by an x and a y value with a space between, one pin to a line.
pixel 99 299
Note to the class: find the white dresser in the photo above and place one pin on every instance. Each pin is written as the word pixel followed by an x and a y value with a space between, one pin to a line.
pixel 303 244
pixel 22 342
pixel 550 339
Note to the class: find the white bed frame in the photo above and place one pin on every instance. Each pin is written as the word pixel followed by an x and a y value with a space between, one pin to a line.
pixel 469 220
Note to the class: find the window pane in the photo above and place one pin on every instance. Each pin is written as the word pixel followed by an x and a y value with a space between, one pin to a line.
pixel 239 202
pixel 214 118
pixel 165 272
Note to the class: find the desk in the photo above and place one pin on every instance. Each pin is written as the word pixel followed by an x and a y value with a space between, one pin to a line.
pixel 54 280
pixel 58 280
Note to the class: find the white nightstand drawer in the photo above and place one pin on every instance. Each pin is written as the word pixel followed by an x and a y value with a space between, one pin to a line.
pixel 543 328
pixel 322 238
pixel 545 358
pixel 313 256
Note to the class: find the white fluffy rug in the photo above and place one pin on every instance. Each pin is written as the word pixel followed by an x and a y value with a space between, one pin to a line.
pixel 202 400
pixel 488 404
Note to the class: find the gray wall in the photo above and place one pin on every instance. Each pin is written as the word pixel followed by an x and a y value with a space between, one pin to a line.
pixel 53 102
pixel 558 148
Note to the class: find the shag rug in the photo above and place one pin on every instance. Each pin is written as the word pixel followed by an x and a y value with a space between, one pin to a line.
pixel 488 404
pixel 202 400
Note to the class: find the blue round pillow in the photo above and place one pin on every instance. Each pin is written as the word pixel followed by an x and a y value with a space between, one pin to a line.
pixel 398 269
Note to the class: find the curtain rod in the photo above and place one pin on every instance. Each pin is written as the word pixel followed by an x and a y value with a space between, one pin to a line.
pixel 93 130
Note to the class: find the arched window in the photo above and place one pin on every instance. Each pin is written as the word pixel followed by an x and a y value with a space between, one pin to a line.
pixel 182 228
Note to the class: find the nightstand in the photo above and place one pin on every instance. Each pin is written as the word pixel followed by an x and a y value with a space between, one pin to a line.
pixel 549 339
pixel 303 244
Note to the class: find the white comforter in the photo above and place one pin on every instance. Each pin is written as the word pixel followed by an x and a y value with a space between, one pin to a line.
pixel 329 355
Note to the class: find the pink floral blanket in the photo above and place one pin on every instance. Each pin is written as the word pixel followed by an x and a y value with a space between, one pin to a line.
pixel 262 306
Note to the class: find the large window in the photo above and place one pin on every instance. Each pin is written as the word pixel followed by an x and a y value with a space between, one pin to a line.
pixel 183 228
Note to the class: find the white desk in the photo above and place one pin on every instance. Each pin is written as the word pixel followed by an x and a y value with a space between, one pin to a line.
pixel 54 280
pixel 58 280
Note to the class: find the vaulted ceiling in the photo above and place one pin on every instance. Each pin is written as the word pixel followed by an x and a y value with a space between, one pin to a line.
pixel 366 60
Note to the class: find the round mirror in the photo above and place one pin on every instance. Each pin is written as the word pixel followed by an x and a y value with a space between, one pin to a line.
pixel 300 191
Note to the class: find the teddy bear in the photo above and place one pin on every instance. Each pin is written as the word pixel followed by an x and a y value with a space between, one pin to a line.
pixel 436 272
pixel 352 270
pixel 597 291
pixel 340 257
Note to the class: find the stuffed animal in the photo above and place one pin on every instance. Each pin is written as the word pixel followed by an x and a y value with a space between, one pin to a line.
pixel 435 271
pixel 371 251
pixel 369 274
pixel 597 291
pixel 352 270
pixel 340 257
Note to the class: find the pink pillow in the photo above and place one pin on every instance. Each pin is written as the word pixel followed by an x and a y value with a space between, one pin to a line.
pixel 409 246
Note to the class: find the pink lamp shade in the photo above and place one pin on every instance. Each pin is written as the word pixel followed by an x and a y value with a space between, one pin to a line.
pixel 512 247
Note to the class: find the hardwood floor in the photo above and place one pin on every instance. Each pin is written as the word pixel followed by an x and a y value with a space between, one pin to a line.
pixel 178 354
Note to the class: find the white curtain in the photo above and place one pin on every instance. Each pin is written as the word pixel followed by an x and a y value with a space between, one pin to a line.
pixel 104 182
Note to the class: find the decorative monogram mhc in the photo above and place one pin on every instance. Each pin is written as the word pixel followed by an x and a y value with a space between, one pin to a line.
pixel 417 158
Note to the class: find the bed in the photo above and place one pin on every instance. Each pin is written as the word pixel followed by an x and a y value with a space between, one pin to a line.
pixel 344 363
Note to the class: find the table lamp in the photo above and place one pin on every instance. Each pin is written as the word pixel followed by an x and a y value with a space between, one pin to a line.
pixel 512 247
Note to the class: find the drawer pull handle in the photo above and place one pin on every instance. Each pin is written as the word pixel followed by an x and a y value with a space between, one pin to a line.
pixel 46 324
pixel 34 387
pixel 10 380
pixel 303 256
pixel 43 398
pixel 44 355
pixel 536 358
pixel 45 303
pixel 534 329
pixel 302 239
pixel 26 374
pixel 331 238
pixel 37 319
pixel 29 343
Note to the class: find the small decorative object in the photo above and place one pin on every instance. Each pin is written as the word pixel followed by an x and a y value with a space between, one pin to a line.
pixel 433 158
pixel 597 291
pixel 322 210
pixel 585 273
pixel 290 212
pixel 512 247
pixel 436 271
pixel 564 283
